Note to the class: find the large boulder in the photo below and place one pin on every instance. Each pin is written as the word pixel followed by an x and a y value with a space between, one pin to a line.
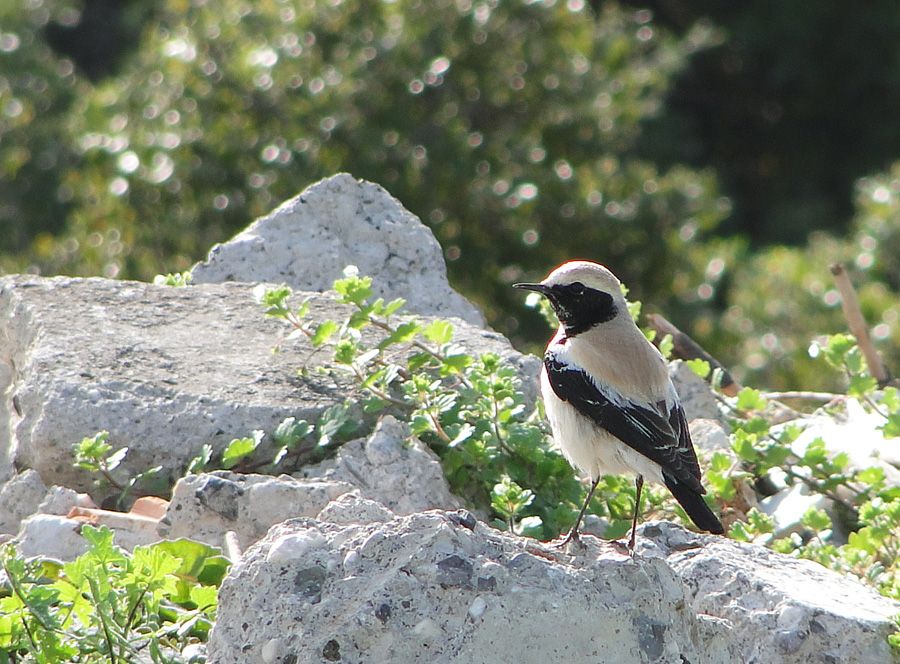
pixel 441 587
pixel 164 370
pixel 778 608
pixel 308 241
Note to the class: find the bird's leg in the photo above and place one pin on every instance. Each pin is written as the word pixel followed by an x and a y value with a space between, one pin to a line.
pixel 638 485
pixel 573 534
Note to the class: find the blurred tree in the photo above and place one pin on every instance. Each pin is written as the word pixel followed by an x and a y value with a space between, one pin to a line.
pixel 524 134
pixel 782 297
pixel 508 127
pixel 793 106
pixel 36 90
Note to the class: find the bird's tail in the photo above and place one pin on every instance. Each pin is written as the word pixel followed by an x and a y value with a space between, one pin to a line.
pixel 694 505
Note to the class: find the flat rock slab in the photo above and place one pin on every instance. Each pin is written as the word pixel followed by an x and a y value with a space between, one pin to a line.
pixel 440 587
pixel 164 370
pixel 308 241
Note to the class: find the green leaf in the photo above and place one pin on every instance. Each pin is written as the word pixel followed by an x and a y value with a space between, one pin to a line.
pixel 816 519
pixel 749 399
pixel 200 462
pixel 404 333
pixel 90 450
pixel 239 448
pixel 353 289
pixel 291 431
pixel 323 333
pixel 861 385
pixel 393 307
pixel 274 299
pixel 345 351
pixel 331 422
pixel 439 332
pixel 456 363
pixel 175 279
pixel 837 346
pixel 666 346
pixel 198 562
pixel 699 367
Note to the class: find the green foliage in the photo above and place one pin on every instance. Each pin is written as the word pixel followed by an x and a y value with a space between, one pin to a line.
pixel 108 605
pixel 177 279
pixel 867 507
pixel 95 455
pixel 469 408
pixel 239 448
pixel 524 114
pixel 497 453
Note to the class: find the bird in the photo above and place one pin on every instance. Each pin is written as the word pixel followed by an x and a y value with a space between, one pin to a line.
pixel 611 405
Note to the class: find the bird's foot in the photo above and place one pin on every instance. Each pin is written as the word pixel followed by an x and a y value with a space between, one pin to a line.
pixel 625 548
pixel 571 538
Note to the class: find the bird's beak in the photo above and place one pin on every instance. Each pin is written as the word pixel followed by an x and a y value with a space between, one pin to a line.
pixel 538 288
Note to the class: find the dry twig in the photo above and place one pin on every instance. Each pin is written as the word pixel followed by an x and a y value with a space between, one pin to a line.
pixel 686 348
pixel 857 324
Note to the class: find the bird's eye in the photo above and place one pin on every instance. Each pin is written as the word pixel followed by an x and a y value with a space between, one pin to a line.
pixel 578 288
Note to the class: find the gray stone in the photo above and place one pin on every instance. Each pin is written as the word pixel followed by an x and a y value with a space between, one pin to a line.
pixel 853 431
pixel 19 498
pixel 788 506
pixel 164 370
pixel 427 588
pixel 309 240
pixel 59 500
pixel 391 468
pixel 351 508
pixel 781 609
pixel 709 435
pixel 696 396
pixel 50 536
pixel 204 507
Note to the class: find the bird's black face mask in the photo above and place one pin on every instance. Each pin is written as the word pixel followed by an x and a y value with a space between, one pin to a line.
pixel 578 307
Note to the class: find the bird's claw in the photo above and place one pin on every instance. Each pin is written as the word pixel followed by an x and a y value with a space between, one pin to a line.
pixel 571 538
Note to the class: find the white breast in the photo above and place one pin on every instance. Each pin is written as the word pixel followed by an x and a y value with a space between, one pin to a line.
pixel 589 448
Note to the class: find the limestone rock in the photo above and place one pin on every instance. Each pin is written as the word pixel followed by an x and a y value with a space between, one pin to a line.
pixel 788 506
pixel 709 435
pixel 390 468
pixel 696 396
pixel 309 240
pixel 204 507
pixel 351 508
pixel 440 587
pixel 164 370
pixel 51 536
pixel 780 609
pixel 854 432
pixel 19 498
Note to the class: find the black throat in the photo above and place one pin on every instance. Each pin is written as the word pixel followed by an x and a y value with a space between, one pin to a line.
pixel 580 308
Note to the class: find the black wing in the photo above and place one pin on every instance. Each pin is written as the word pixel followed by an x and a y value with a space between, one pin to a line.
pixel 664 440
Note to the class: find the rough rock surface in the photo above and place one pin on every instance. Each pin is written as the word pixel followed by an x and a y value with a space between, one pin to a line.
pixel 387 467
pixel 206 506
pixel 164 370
pixel 309 240
pixel 709 435
pixel 19 498
pixel 390 468
pixel 440 587
pixel 696 397
pixel 855 433
pixel 779 608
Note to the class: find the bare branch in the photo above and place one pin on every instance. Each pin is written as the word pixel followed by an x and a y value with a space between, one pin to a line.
pixel 857 324
pixel 686 348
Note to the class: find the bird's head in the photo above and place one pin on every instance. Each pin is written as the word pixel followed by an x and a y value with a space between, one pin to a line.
pixel 583 294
